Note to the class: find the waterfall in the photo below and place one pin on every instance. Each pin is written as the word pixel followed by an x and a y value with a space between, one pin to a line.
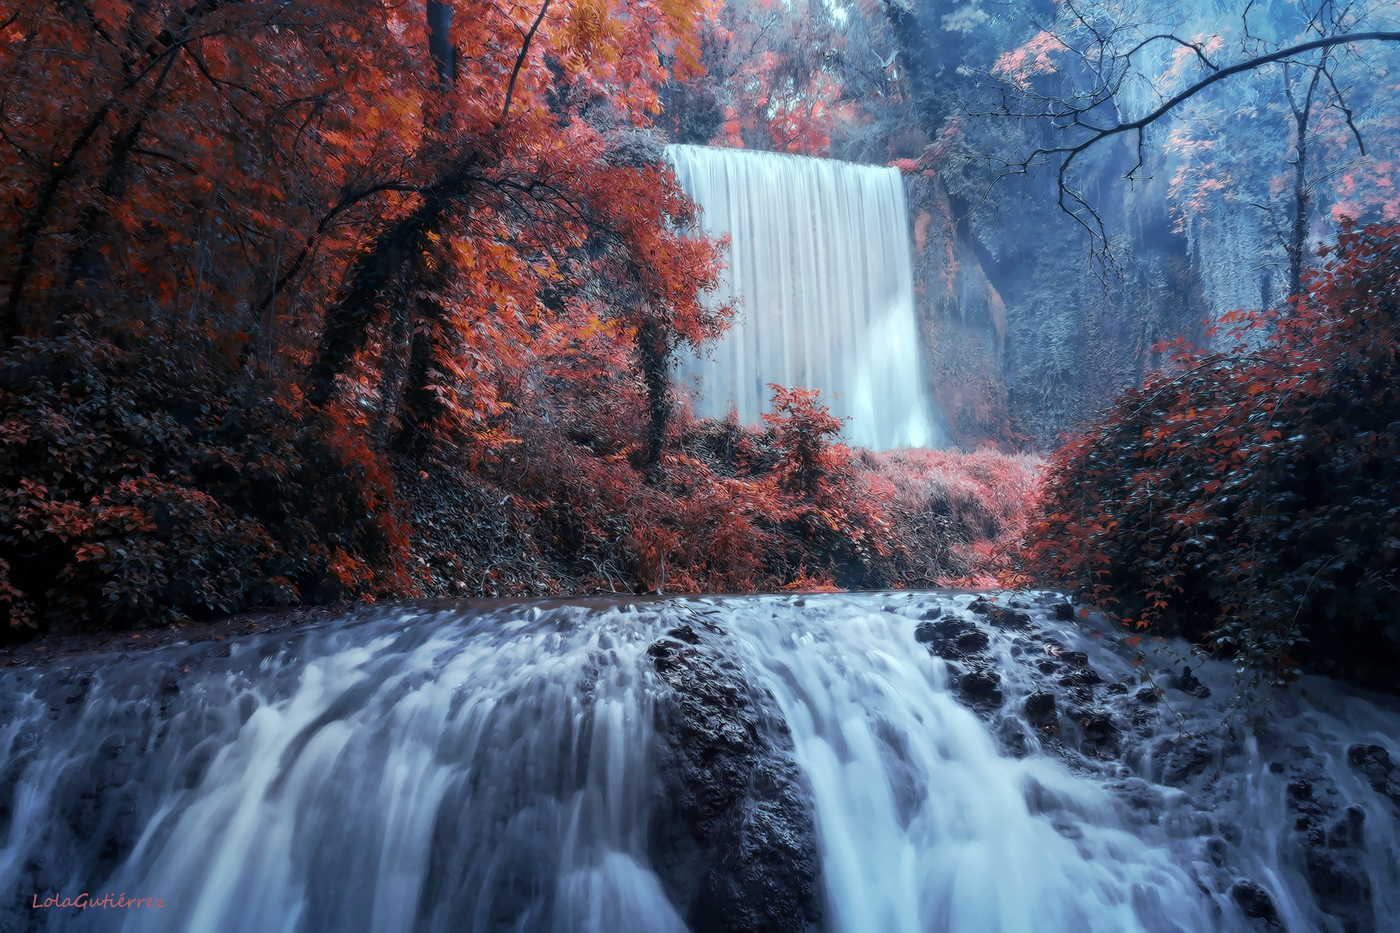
pixel 495 768
pixel 820 262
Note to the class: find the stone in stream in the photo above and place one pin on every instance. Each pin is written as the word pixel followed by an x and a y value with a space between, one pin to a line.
pixel 1009 618
pixel 732 837
pixel 1100 734
pixel 1256 904
pixel 1332 845
pixel 981 686
pixel 951 638
pixel 1374 762
pixel 1040 708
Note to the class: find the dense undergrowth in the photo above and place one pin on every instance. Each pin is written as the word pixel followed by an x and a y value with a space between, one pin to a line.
pixel 1249 498
pixel 138 496
pixel 732 509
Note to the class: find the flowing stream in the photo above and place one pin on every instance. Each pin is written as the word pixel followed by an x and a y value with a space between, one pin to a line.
pixel 820 261
pixel 493 768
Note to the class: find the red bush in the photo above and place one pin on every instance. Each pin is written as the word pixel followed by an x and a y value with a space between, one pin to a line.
pixel 1251 499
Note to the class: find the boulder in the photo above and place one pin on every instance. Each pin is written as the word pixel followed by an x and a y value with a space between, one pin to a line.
pixel 1374 763
pixel 1255 903
pixel 732 836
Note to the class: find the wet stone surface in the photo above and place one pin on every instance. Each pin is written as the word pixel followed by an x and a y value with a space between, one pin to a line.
pixel 732 837
pixel 1161 748
pixel 1381 773
pixel 1332 839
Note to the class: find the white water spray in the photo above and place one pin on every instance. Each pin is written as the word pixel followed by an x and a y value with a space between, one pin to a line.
pixel 493 769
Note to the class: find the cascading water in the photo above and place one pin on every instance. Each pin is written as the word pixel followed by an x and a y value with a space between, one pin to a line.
pixel 496 768
pixel 820 260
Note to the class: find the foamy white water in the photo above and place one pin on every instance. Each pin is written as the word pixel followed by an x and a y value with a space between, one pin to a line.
pixel 493 769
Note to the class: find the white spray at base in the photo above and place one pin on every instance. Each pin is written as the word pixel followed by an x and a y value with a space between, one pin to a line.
pixel 820 261
pixel 492 769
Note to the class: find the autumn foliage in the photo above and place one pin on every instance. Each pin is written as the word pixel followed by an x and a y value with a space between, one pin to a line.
pixel 294 309
pixel 1250 498
pixel 261 262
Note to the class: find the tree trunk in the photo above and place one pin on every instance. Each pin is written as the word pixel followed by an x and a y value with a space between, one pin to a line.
pixel 1298 238
pixel 655 360
pixel 439 43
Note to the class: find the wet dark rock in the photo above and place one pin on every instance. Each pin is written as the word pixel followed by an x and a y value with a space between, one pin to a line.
pixel 974 640
pixel 1374 763
pixel 1075 658
pixel 1332 843
pixel 951 638
pixel 1009 618
pixel 1013 740
pixel 1143 717
pixel 1141 797
pixel 1098 724
pixel 1100 733
pixel 684 633
pixel 1086 677
pixel 732 837
pixel 1118 689
pixel 1307 810
pixel 1187 682
pixel 1216 850
pixel 1047 666
pixel 1148 695
pixel 1339 882
pixel 1349 831
pixel 1062 611
pixel 1184 758
pixel 981 606
pixel 942 630
pixel 982 686
pixel 1040 707
pixel 1256 903
pixel 931 614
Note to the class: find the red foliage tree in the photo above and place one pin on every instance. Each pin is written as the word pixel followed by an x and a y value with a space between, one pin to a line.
pixel 251 252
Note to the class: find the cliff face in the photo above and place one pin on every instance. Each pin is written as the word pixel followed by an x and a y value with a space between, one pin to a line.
pixel 1022 342
pixel 962 321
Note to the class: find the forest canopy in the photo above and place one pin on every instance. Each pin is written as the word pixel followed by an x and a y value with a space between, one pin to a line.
pixel 251 251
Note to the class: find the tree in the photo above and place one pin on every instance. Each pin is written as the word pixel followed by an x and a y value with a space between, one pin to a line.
pixel 812 78
pixel 252 255
pixel 1079 75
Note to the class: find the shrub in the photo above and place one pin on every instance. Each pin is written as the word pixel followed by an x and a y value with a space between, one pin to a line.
pixel 1250 499
pixel 959 516
pixel 142 485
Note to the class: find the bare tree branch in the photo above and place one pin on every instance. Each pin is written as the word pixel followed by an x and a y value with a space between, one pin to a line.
pixel 1079 112
pixel 1342 106
pixel 1251 64
pixel 520 60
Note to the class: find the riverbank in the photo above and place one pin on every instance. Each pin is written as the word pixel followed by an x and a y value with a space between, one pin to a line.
pixel 75 648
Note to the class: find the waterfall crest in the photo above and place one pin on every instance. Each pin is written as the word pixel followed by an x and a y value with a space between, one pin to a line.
pixel 820 260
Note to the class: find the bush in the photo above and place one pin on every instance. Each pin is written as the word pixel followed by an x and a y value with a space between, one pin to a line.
pixel 143 485
pixel 1250 500
pixel 960 516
